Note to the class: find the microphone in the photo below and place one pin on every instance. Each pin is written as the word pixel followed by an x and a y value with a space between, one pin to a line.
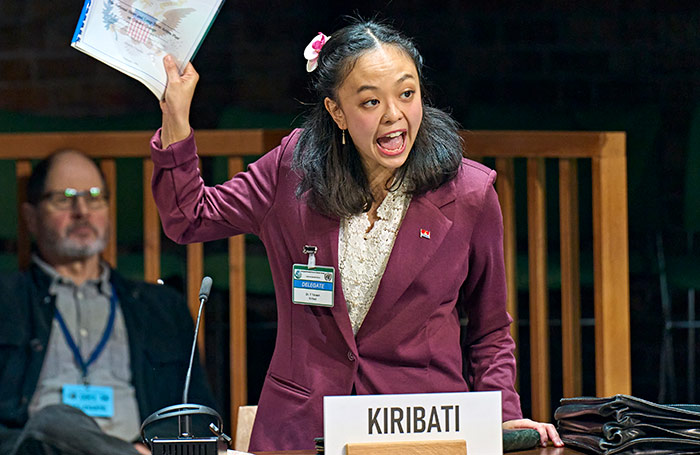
pixel 186 441
pixel 204 291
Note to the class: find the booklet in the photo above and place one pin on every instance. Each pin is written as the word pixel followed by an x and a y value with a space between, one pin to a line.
pixel 133 36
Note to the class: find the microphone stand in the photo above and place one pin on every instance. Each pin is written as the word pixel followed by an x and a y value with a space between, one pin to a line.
pixel 186 441
pixel 185 421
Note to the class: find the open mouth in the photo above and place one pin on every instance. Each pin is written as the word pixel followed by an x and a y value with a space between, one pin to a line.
pixel 393 143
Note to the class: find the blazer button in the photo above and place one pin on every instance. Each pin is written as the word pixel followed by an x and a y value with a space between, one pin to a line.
pixel 36 345
pixel 351 356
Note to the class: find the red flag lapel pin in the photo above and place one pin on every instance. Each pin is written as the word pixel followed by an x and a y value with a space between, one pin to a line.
pixel 425 234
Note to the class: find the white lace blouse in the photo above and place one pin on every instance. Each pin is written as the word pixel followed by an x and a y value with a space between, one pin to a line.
pixel 363 255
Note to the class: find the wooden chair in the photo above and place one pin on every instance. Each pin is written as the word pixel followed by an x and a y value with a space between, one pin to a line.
pixel 244 427
pixel 605 151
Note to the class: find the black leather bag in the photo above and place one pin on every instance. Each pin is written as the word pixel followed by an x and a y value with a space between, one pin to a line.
pixel 624 424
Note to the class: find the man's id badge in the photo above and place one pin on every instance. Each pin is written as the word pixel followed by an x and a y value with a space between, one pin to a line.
pixel 313 286
pixel 95 401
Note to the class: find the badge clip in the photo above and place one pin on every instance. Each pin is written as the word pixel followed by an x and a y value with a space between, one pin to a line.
pixel 311 251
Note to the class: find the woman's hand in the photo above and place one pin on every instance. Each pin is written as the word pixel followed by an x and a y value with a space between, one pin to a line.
pixel 546 430
pixel 176 102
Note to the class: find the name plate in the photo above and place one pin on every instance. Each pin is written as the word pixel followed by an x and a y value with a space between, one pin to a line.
pixel 472 416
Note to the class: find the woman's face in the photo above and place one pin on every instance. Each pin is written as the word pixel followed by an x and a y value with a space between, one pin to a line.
pixel 379 104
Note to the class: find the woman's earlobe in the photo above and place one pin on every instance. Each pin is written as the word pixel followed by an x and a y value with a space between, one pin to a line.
pixel 335 112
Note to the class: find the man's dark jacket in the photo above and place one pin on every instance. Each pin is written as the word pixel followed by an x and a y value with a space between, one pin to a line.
pixel 159 328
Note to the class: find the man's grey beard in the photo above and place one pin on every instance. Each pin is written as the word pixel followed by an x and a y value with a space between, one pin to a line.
pixel 70 249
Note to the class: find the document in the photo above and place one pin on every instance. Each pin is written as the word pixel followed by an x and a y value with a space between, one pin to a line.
pixel 133 36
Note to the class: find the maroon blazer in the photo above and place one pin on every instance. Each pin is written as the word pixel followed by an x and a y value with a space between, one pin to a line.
pixel 409 341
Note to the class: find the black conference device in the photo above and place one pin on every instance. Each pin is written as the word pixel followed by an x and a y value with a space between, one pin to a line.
pixel 186 442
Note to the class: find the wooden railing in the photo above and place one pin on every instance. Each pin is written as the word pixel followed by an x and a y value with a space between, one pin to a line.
pixel 606 152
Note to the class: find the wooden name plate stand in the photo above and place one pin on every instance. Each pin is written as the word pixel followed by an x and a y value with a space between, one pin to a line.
pixel 551 450
pixel 450 447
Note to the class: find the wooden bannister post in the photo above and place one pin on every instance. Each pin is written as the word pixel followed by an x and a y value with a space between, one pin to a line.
pixel 151 227
pixel 570 278
pixel 539 311
pixel 23 169
pixel 109 170
pixel 195 273
pixel 505 187
pixel 611 268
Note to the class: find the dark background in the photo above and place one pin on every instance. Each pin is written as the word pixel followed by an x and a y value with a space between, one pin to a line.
pixel 588 65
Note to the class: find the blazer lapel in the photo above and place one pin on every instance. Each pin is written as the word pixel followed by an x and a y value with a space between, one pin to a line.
pixel 422 231
pixel 322 232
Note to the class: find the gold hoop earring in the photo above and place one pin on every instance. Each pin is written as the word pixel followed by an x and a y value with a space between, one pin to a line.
pixel 343 137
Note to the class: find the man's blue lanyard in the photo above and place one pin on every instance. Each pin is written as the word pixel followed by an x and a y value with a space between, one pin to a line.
pixel 100 346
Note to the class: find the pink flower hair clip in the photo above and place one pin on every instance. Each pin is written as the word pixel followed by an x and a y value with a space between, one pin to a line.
pixel 313 49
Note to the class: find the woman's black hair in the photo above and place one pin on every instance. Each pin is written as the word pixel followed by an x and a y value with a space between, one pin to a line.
pixel 332 178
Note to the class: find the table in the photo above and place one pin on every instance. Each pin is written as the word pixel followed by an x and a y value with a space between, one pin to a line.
pixel 551 450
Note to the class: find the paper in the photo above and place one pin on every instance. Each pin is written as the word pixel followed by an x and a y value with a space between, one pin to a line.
pixel 133 36
pixel 472 416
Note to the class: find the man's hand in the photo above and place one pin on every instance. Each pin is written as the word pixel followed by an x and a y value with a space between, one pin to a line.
pixel 546 430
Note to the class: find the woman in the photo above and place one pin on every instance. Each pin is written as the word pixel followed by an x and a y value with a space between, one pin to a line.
pixel 375 188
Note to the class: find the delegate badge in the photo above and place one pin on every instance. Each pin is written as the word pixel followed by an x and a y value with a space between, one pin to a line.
pixel 312 285
pixel 95 401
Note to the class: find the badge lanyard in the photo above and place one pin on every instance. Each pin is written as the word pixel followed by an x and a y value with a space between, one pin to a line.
pixel 100 346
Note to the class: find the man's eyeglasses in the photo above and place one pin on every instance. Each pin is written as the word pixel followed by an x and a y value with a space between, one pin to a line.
pixel 94 198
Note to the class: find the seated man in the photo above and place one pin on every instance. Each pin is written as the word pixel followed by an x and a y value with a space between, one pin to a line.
pixel 70 322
